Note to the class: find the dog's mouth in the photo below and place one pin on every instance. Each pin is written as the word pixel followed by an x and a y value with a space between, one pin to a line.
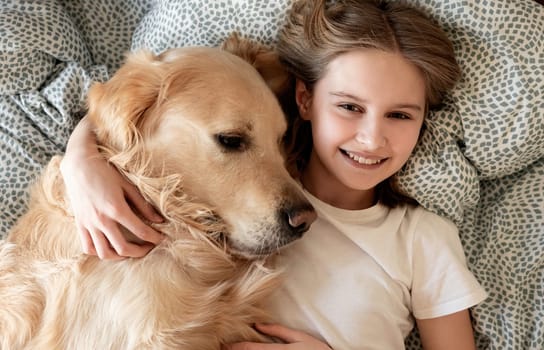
pixel 290 224
pixel 248 241
pixel 260 249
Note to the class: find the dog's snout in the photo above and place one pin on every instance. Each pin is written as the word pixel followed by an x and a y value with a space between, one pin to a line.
pixel 299 219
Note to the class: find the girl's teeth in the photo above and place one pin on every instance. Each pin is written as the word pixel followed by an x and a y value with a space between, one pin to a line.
pixel 362 160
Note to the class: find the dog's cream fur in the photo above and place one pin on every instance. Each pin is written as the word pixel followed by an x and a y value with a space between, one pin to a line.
pixel 198 131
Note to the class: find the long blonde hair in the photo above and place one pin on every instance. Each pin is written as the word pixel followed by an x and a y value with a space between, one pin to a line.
pixel 317 31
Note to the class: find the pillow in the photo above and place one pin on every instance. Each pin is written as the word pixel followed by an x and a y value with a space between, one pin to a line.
pixel 175 23
pixel 482 131
pixel 45 71
pixel 479 162
pixel 499 45
pixel 34 36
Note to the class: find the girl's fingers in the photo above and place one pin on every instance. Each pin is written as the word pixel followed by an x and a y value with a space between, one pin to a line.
pixel 293 339
pixel 86 240
pixel 253 346
pixel 286 334
pixel 119 245
pixel 102 247
pixel 134 224
pixel 141 205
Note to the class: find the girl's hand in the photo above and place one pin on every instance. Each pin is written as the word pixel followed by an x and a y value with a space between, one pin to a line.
pixel 100 197
pixel 295 340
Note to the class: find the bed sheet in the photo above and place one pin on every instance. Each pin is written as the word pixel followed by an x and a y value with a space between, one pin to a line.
pixel 480 162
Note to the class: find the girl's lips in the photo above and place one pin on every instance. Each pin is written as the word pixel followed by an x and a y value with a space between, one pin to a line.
pixel 362 159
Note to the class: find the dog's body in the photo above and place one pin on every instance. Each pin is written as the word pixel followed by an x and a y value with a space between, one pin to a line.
pixel 212 166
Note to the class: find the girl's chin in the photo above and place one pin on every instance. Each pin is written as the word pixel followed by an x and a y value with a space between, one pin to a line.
pixel 358 182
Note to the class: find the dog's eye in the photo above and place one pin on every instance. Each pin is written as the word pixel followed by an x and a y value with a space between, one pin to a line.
pixel 231 142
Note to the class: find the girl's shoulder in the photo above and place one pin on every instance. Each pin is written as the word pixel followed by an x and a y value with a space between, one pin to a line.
pixel 421 219
pixel 425 230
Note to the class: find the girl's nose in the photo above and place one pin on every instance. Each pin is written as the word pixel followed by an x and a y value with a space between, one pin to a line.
pixel 370 134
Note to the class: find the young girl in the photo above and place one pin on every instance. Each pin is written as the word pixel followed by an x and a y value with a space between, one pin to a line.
pixel 366 74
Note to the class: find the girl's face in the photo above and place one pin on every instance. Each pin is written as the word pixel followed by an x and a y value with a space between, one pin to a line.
pixel 366 113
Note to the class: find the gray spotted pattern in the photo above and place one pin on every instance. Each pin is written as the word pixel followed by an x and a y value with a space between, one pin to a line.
pixel 479 162
pixel 174 23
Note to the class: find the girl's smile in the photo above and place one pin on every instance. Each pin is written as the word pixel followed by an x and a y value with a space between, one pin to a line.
pixel 364 160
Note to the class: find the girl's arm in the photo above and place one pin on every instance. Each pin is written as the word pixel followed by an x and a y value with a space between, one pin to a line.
pixel 100 198
pixel 447 332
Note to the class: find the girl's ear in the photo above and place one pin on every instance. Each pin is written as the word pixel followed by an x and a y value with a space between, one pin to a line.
pixel 304 99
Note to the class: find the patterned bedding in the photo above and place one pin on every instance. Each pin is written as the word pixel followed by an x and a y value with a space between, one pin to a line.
pixel 480 162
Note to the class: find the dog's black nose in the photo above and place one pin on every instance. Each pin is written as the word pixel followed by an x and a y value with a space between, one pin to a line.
pixel 299 219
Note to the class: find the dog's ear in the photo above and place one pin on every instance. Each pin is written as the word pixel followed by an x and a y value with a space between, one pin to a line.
pixel 264 59
pixel 117 108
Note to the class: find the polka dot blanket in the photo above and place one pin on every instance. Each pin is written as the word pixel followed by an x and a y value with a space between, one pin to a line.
pixel 480 161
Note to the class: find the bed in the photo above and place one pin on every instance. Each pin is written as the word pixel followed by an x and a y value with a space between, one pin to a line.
pixel 480 162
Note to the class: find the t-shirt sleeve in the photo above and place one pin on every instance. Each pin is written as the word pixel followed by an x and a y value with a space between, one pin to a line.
pixel 442 283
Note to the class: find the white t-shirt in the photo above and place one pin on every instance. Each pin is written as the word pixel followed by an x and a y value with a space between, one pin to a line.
pixel 357 276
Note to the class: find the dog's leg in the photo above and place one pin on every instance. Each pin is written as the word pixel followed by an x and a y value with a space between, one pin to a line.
pixel 21 298
pixel 47 230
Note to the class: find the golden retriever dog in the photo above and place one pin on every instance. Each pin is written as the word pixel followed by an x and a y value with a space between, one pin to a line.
pixel 199 132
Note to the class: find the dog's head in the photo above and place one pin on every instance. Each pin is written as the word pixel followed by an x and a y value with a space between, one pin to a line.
pixel 207 115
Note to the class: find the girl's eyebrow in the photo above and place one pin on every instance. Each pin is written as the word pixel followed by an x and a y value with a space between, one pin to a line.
pixel 346 95
pixel 413 106
pixel 409 106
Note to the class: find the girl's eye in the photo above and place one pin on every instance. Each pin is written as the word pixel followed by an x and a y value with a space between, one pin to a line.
pixel 231 142
pixel 349 107
pixel 399 115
